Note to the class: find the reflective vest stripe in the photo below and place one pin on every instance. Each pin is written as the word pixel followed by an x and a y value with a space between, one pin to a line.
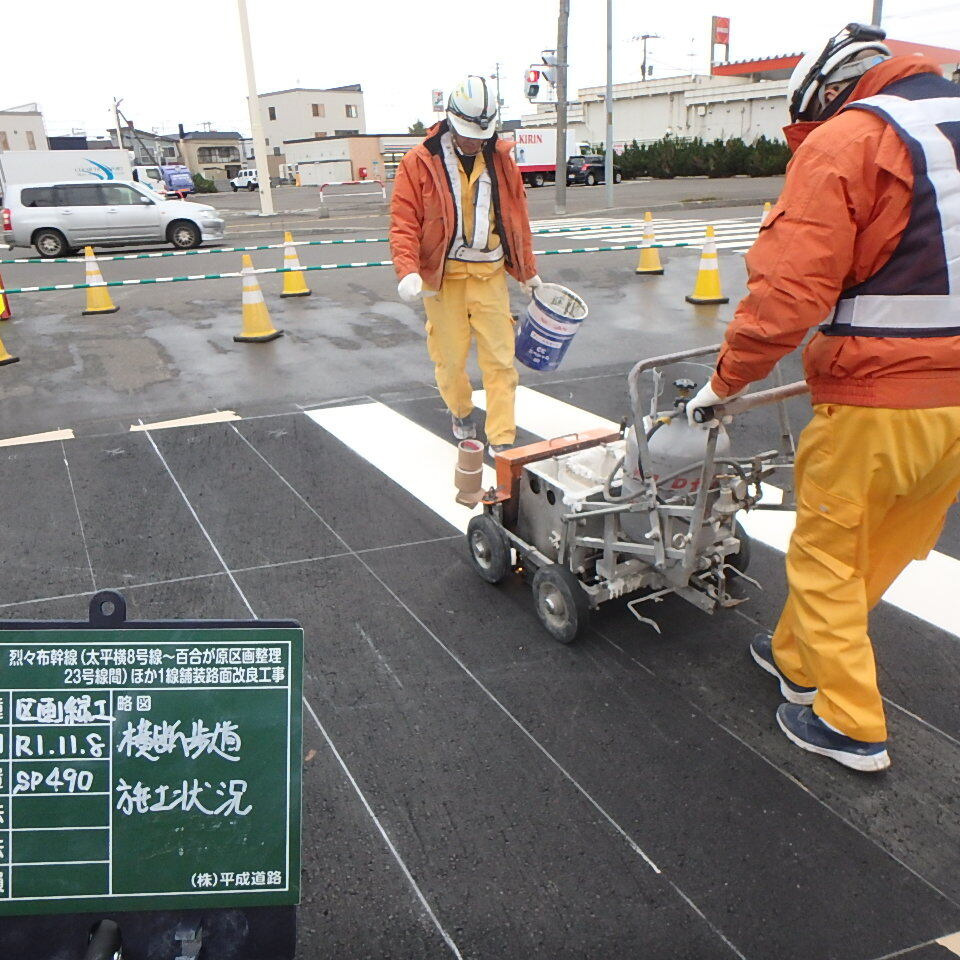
pixel 474 251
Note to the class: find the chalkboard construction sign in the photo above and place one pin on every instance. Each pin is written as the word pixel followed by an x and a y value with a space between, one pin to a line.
pixel 149 766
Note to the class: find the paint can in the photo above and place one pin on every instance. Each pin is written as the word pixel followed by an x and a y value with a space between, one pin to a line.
pixel 548 325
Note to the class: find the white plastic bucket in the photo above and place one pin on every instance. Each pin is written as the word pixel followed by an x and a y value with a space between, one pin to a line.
pixel 548 325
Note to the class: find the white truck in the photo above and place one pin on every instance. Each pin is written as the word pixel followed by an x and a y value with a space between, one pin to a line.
pixel 535 150
pixel 23 167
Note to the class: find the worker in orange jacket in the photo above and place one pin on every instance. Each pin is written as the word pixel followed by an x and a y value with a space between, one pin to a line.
pixel 864 243
pixel 458 222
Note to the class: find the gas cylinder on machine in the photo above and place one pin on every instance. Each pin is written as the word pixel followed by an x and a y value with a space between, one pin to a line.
pixel 672 444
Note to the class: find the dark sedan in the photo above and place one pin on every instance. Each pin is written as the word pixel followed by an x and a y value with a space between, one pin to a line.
pixel 589 170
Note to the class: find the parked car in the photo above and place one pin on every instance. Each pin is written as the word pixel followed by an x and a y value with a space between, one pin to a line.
pixel 589 170
pixel 245 179
pixel 57 218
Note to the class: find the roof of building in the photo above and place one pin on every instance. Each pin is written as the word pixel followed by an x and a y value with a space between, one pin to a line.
pixel 780 65
pixel 208 135
pixel 353 136
pixel 350 88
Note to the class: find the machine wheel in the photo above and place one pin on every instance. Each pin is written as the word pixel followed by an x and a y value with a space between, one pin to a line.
pixel 183 234
pixel 50 243
pixel 617 177
pixel 489 548
pixel 251 186
pixel 538 180
pixel 104 942
pixel 741 559
pixel 591 180
pixel 561 602
pixel 235 187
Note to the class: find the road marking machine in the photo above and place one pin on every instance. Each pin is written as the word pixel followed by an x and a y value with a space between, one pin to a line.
pixel 643 512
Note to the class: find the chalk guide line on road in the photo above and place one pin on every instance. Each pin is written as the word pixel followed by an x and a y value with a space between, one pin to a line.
pixel 392 443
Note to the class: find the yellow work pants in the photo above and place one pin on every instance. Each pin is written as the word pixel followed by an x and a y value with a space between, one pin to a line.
pixel 466 307
pixel 873 489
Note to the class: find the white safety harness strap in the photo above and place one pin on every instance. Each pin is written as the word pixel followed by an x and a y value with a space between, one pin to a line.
pixel 474 251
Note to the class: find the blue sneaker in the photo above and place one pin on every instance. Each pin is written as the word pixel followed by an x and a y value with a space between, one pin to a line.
pixel 761 649
pixel 804 728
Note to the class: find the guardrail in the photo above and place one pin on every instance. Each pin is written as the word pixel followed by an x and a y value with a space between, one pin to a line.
pixel 355 183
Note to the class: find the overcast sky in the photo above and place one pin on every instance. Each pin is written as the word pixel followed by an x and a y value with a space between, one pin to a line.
pixel 182 63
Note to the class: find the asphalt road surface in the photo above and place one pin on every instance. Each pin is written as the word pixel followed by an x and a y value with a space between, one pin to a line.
pixel 471 787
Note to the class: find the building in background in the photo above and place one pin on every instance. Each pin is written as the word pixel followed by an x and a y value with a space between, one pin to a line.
pixel 21 128
pixel 303 113
pixel 328 159
pixel 214 154
pixel 148 148
pixel 745 99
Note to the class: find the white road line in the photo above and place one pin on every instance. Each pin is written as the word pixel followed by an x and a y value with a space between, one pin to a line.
pixel 38 438
pixel 220 416
pixel 548 417
pixel 405 452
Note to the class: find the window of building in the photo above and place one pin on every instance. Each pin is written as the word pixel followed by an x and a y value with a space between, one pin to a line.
pixel 4 142
pixel 217 154
pixel 352 110
pixel 272 113
pixel 344 133
pixel 319 133
pixel 31 143
pixel 276 151
pixel 319 109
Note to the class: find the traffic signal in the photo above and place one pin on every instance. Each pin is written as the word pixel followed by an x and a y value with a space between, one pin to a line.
pixel 531 85
pixel 549 67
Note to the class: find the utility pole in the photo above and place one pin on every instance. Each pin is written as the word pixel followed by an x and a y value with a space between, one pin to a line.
pixel 877 12
pixel 256 127
pixel 116 120
pixel 560 201
pixel 496 77
pixel 608 141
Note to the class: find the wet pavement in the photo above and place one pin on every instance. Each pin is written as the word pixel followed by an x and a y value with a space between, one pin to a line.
pixel 471 787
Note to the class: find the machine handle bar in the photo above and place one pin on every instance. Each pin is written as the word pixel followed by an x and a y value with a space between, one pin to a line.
pixel 759 399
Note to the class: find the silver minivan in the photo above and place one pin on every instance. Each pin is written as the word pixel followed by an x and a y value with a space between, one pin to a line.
pixel 58 218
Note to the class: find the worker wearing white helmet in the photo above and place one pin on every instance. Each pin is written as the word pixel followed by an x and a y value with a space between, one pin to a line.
pixel 863 244
pixel 458 223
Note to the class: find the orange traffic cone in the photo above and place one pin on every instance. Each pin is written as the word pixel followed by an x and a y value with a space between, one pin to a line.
pixel 650 255
pixel 98 295
pixel 5 313
pixel 6 357
pixel 707 287
pixel 293 283
pixel 257 326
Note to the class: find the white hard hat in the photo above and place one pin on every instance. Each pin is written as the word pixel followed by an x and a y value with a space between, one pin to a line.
pixel 472 110
pixel 840 60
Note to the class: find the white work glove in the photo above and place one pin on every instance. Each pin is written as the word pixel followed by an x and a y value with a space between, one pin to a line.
pixel 410 287
pixel 706 397
pixel 528 286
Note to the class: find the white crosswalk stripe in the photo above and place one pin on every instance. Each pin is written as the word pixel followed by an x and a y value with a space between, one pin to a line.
pixel 731 234
pixel 423 464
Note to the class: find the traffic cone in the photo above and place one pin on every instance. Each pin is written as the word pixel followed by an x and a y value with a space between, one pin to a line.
pixel 6 357
pixel 257 327
pixel 650 255
pixel 293 283
pixel 707 287
pixel 98 295
pixel 5 313
pixel 766 213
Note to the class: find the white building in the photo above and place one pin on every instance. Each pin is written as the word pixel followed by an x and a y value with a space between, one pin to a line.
pixel 697 106
pixel 361 156
pixel 304 113
pixel 21 128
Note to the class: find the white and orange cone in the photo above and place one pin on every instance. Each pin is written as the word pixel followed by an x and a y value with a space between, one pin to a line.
pixel 98 294
pixel 293 283
pixel 5 313
pixel 649 262
pixel 707 288
pixel 257 326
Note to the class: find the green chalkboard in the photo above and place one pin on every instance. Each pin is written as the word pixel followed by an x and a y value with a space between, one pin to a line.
pixel 149 765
